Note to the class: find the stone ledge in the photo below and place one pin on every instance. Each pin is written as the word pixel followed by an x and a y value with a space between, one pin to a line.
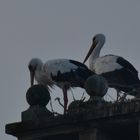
pixel 108 113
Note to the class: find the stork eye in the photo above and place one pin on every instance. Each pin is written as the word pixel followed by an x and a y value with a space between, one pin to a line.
pixel 30 67
pixel 94 39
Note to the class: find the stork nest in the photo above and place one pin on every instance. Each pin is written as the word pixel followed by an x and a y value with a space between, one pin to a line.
pixel 81 106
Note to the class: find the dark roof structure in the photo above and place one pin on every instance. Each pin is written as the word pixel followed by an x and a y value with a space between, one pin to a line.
pixel 95 119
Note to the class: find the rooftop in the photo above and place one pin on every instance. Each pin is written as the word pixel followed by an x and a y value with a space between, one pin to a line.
pixel 84 120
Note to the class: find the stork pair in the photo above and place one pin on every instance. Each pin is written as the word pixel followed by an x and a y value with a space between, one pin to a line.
pixel 66 73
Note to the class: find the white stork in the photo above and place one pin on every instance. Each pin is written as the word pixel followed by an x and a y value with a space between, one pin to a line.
pixel 119 73
pixel 64 73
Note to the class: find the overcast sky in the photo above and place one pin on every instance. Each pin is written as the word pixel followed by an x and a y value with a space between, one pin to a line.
pixel 51 29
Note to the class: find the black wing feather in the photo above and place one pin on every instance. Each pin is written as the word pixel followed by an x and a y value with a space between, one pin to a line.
pixel 75 76
pixel 127 65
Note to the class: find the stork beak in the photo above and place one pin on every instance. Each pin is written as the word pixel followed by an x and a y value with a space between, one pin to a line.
pixel 90 50
pixel 32 77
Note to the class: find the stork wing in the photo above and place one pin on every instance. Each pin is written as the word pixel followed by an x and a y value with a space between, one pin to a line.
pixel 127 65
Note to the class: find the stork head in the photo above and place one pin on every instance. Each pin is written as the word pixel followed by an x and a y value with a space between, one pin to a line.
pixel 34 65
pixel 98 39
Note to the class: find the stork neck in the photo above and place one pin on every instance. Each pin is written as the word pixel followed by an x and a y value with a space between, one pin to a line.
pixel 39 74
pixel 95 54
pixel 39 70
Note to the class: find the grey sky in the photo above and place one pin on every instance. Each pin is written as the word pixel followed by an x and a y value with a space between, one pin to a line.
pixel 51 29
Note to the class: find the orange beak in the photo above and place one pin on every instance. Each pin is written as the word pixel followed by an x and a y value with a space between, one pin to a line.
pixel 90 50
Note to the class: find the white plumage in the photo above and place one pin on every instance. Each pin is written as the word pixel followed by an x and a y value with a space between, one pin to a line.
pixel 105 64
pixel 62 65
pixel 64 73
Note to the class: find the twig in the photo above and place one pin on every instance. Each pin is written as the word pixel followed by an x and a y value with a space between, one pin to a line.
pixel 58 99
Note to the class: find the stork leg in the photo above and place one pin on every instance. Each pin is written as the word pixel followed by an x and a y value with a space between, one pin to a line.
pixel 118 95
pixel 65 99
